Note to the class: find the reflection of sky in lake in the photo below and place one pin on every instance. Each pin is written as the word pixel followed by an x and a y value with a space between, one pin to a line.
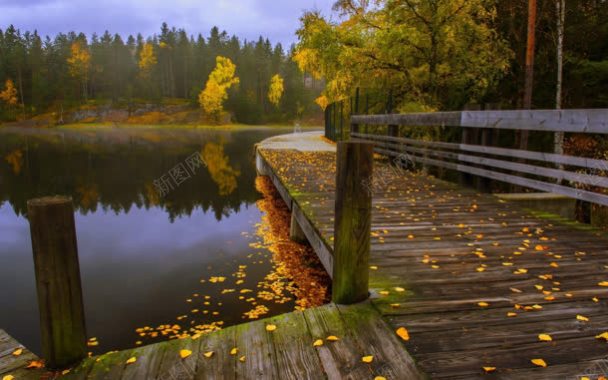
pixel 139 267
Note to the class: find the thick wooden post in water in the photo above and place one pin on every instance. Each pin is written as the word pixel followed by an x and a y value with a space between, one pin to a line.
pixel 58 284
pixel 352 228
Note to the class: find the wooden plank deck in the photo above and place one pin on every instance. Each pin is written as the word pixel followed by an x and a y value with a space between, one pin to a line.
pixel 285 353
pixel 441 250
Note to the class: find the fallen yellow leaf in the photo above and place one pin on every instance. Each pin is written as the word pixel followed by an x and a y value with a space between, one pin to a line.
pixel 403 333
pixel 398 289
pixel 483 304
pixel 332 338
pixel 545 337
pixel 242 359
pixel 271 327
pixel 234 351
pixel 18 352
pixel 184 353
pixel 317 343
pixel 511 314
pixel 582 318
pixel 373 267
pixel 208 354
pixel 603 283
pixel 131 360
pixel 35 364
pixel 367 359
pixel 379 378
pixel 489 369
pixel 8 377
pixel 603 335
pixel 539 362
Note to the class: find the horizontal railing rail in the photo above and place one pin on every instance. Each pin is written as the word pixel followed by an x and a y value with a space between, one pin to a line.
pixel 573 176
pixel 579 120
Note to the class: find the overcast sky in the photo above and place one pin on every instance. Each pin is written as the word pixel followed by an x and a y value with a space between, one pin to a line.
pixel 248 19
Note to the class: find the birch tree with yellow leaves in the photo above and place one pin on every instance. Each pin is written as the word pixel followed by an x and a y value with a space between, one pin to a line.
pixel 275 91
pixel 221 79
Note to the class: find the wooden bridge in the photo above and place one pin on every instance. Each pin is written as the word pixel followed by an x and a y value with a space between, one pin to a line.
pixel 462 284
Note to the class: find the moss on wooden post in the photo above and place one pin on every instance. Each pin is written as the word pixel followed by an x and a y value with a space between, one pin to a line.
pixel 58 284
pixel 352 227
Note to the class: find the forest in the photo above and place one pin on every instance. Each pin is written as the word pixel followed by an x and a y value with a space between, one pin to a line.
pixel 43 74
pixel 429 55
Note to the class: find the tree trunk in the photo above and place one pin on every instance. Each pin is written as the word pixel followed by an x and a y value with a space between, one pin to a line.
pixel 558 142
pixel 523 138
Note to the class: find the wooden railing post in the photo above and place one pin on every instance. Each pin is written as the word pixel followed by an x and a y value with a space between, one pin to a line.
pixel 352 226
pixel 62 323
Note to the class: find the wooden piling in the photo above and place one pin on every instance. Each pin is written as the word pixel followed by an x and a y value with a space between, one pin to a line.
pixel 62 322
pixel 353 207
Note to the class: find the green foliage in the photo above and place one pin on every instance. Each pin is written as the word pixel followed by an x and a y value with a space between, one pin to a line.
pixel 420 49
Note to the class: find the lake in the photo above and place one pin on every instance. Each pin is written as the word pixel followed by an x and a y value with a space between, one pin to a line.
pixel 156 261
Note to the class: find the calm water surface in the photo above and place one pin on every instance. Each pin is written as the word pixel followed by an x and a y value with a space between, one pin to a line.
pixel 187 259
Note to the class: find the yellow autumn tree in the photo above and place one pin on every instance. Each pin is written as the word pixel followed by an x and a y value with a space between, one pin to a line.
pixel 216 90
pixel 9 94
pixel 79 62
pixel 147 60
pixel 275 92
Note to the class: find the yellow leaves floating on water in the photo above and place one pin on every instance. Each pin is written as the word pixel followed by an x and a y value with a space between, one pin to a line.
pixel 184 353
pixel 582 318
pixel 539 362
pixel 367 359
pixel 271 327
pixel 256 312
pixel 489 369
pixel 18 352
pixel 217 279
pixel 545 337
pixel 403 333
pixel 317 343
pixel 131 360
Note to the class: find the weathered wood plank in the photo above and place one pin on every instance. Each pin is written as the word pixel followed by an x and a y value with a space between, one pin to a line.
pixel 295 355
pixel 341 359
pixel 257 351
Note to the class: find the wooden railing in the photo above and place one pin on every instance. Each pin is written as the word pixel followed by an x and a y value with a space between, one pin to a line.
pixel 556 173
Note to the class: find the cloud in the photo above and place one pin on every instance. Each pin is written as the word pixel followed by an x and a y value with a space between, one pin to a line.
pixel 247 19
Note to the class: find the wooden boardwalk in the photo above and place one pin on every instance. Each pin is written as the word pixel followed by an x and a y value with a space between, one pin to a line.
pixel 288 352
pixel 475 280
